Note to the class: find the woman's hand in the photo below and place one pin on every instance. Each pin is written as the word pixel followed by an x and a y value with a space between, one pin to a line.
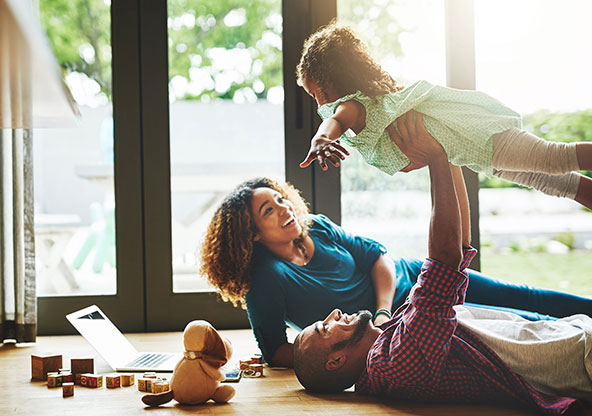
pixel 415 141
pixel 380 319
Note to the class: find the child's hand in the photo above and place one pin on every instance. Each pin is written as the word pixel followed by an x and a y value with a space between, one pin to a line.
pixel 322 149
pixel 415 141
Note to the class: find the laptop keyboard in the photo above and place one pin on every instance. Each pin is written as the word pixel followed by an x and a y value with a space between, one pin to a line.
pixel 149 360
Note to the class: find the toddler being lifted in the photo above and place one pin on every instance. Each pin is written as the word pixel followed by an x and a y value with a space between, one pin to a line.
pixel 360 103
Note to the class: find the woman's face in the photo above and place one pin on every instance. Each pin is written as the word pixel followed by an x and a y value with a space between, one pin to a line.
pixel 274 217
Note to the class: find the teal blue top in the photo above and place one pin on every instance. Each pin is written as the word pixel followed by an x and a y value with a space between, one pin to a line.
pixel 337 276
pixel 462 121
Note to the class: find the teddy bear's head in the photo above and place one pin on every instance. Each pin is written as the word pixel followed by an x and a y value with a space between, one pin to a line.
pixel 200 337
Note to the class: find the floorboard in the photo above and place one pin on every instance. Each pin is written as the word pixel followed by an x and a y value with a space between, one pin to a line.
pixel 277 393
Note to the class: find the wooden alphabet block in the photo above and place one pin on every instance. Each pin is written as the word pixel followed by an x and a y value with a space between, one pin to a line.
pixel 82 365
pixel 68 389
pixel 43 364
pixel 91 380
pixel 94 380
pixel 67 377
pixel 54 380
pixel 113 381
pixel 127 380
pixel 145 384
pixel 160 386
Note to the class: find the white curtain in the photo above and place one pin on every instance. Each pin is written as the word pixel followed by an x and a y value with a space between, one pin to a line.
pixel 18 302
pixel 32 95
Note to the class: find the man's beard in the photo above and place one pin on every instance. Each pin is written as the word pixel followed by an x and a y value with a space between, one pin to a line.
pixel 364 318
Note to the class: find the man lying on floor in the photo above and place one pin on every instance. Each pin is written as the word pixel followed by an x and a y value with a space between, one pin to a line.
pixel 436 349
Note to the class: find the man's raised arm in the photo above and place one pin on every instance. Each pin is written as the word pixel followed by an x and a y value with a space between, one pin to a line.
pixel 445 239
pixel 445 234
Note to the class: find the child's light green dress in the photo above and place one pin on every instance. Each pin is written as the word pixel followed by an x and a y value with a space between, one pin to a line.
pixel 462 121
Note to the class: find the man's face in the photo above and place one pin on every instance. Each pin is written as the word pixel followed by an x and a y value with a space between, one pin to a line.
pixel 337 331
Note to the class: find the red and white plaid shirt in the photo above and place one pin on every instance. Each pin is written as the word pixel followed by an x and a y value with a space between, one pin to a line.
pixel 423 354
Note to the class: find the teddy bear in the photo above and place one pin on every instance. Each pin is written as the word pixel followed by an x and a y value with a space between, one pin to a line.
pixel 196 378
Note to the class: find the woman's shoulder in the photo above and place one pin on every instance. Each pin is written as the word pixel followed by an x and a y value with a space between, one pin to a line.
pixel 320 222
pixel 267 273
pixel 264 262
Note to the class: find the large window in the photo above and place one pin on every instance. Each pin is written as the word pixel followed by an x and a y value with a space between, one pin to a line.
pixel 529 56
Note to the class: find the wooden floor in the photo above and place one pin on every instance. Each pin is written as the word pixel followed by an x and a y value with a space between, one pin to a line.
pixel 278 392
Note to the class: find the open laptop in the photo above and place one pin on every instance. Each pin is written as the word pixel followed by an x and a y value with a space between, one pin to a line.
pixel 117 351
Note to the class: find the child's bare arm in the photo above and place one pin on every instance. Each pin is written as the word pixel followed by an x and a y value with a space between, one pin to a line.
pixel 348 115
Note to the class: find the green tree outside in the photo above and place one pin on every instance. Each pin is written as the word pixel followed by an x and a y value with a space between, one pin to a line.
pixel 80 35
pixel 199 33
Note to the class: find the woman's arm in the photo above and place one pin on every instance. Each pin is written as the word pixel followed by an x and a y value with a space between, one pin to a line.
pixel 283 356
pixel 384 278
pixel 463 202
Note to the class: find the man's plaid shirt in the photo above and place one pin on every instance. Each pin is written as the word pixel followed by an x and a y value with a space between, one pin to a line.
pixel 423 354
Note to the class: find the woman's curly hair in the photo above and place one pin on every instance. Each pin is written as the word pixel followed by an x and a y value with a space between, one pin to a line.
pixel 335 57
pixel 228 246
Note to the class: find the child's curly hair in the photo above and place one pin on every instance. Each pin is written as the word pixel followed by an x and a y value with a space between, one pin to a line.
pixel 335 57
pixel 228 247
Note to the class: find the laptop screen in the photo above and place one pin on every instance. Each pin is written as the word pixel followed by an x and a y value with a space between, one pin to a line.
pixel 105 338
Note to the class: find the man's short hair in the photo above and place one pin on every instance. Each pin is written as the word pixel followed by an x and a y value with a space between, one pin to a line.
pixel 309 367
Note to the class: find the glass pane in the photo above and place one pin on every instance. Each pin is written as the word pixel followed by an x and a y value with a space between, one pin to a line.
pixel 535 65
pixel 226 113
pixel 406 37
pixel 73 167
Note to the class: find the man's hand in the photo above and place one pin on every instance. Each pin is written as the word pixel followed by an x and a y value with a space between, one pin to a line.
pixel 415 141
pixel 322 149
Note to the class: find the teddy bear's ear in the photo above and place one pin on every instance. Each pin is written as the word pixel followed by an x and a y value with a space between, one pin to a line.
pixel 215 348
pixel 228 346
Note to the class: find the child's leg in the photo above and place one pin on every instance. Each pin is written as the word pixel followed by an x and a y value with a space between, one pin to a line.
pixel 584 151
pixel 584 195
pixel 564 186
pixel 518 150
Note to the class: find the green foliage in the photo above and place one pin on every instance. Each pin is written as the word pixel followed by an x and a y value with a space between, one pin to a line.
pixel 199 32
pixel 80 35
pixel 569 239
pixel 560 127
pixel 238 40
